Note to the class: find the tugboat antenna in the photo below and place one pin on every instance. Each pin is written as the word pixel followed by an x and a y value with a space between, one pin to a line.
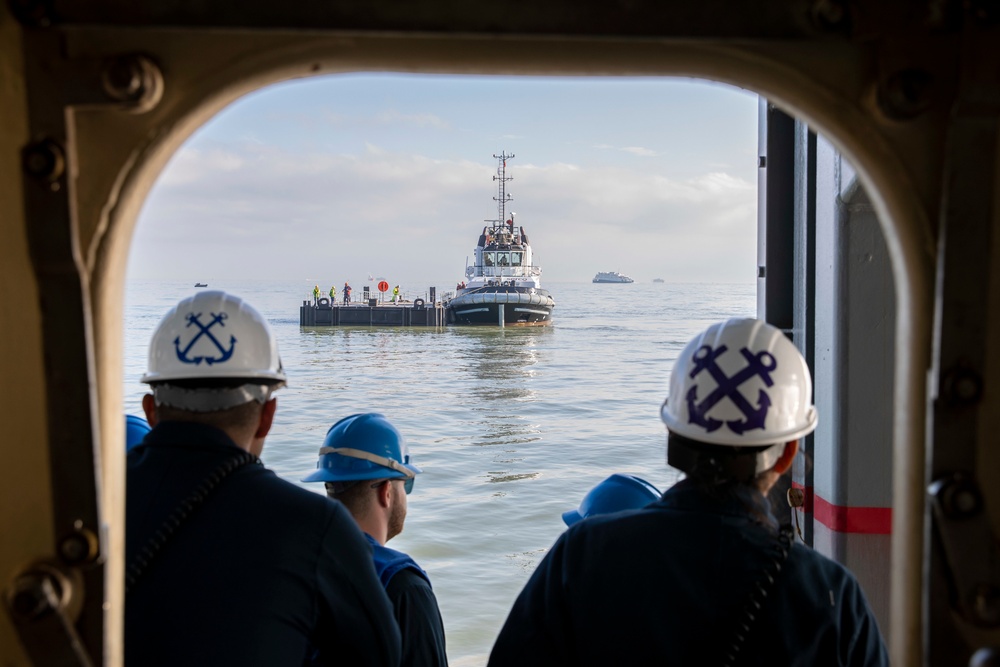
pixel 502 177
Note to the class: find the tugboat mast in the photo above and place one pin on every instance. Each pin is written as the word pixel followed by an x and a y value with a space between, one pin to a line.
pixel 502 177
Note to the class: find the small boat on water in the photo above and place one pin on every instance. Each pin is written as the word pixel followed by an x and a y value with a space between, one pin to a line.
pixel 504 287
pixel 657 280
pixel 612 277
pixel 201 284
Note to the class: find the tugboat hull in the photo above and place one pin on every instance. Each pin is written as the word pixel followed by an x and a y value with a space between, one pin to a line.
pixel 482 307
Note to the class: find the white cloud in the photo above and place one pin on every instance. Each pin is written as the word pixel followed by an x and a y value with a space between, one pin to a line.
pixel 241 207
pixel 348 175
pixel 192 165
pixel 638 150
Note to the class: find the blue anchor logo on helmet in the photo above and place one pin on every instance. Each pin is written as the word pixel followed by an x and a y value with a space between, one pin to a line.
pixel 758 365
pixel 205 330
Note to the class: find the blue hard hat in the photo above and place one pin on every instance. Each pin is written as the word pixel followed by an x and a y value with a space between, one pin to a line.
pixel 363 446
pixel 136 429
pixel 615 494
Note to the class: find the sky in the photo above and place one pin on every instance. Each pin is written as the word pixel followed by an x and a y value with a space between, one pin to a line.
pixel 334 178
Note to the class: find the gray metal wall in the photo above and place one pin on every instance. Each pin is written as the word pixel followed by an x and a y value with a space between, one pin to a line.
pixel 837 285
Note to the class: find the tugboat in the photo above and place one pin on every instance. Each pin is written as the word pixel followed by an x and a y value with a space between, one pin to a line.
pixel 503 287
pixel 612 277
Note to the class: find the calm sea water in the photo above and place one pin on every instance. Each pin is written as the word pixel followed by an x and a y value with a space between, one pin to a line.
pixel 511 426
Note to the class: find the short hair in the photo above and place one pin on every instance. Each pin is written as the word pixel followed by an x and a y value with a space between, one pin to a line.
pixel 723 472
pixel 713 463
pixel 355 495
pixel 239 418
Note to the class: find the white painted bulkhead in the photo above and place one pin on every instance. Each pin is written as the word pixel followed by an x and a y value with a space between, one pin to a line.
pixel 842 307
pixel 854 326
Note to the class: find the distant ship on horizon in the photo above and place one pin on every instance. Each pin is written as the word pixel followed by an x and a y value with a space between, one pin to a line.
pixel 612 277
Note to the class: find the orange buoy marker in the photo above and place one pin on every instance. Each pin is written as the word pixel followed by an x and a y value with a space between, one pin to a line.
pixel 383 286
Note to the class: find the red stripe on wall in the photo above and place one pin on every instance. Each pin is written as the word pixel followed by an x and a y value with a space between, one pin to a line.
pixel 842 519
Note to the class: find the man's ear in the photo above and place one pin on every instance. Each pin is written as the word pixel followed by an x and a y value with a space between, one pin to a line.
pixel 149 407
pixel 787 456
pixel 266 418
pixel 385 494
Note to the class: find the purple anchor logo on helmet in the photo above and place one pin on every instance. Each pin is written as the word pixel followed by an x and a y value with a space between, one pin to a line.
pixel 758 365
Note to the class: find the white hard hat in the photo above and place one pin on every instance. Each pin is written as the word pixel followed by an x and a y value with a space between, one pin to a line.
pixel 741 383
pixel 214 336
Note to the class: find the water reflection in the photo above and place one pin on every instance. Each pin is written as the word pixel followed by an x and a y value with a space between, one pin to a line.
pixel 377 348
pixel 502 364
pixel 496 476
pixel 501 360
pixel 526 560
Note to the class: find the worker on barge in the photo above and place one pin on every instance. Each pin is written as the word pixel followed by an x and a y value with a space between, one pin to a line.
pixel 704 575
pixel 365 465
pixel 226 563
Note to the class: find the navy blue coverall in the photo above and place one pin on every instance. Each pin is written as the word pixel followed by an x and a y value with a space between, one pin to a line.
pixel 259 572
pixel 415 605
pixel 667 584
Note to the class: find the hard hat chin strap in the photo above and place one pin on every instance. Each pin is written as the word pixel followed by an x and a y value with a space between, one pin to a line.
pixel 368 456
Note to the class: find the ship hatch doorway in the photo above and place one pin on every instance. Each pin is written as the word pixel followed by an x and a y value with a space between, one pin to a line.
pixel 94 145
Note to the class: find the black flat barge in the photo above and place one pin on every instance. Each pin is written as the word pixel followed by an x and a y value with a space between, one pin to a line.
pixel 326 314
